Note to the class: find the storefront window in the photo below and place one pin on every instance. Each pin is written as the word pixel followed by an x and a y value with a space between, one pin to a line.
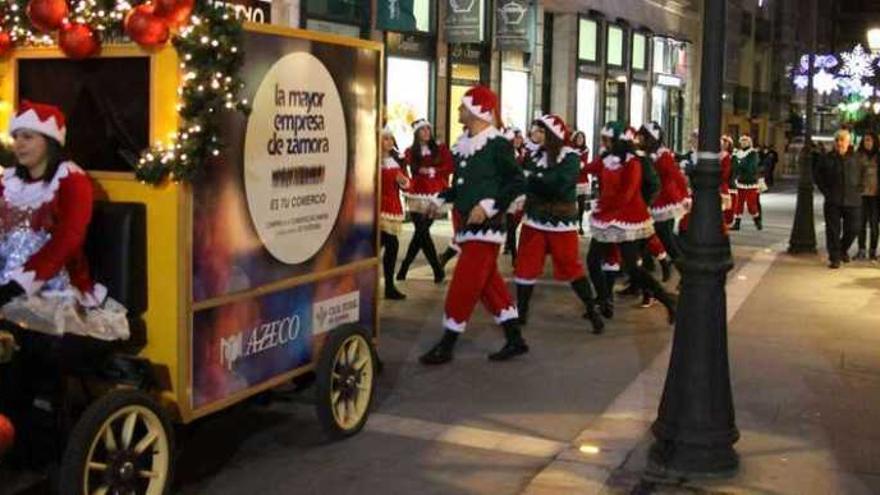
pixel 515 98
pixel 638 51
pixel 615 92
pixel 615 46
pixel 659 55
pixel 351 12
pixel 659 105
pixel 407 94
pixel 586 108
pixel 463 77
pixel 637 105
pixel 587 38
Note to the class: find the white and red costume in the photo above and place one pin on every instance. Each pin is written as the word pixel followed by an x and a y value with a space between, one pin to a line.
pixel 621 214
pixel 391 211
pixel 583 180
pixel 728 193
pixel 430 175
pixel 674 200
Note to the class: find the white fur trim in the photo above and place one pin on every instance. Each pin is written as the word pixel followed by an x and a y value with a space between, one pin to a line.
pixel 452 325
pixel 420 124
pixel 523 281
pixel 491 236
pixel 468 146
pixel 741 154
pixel 455 247
pixel 550 227
pixel 607 132
pixel 740 185
pixel 670 211
pixel 583 188
pixel 479 113
pixel 612 162
pixel 517 204
pixel 94 298
pixel 488 206
pixel 615 232
pixel 391 217
pixel 610 267
pixel 31 120
pixel 32 195
pixel 27 280
pixel 390 164
pixel 507 314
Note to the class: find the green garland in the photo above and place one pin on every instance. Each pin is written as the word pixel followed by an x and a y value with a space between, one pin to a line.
pixel 211 56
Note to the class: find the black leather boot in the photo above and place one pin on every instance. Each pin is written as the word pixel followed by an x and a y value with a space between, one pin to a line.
pixel 666 269
pixel 736 224
pixel 442 352
pixel 523 297
pixel 759 224
pixel 446 257
pixel 670 302
pixel 515 345
pixel 581 287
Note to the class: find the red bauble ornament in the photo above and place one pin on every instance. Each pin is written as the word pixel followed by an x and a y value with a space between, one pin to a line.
pixel 78 41
pixel 7 434
pixel 5 43
pixel 175 12
pixel 47 15
pixel 145 28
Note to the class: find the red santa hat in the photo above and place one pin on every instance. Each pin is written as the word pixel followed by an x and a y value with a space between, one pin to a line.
pixel 48 120
pixel 419 123
pixel 556 125
pixel 483 103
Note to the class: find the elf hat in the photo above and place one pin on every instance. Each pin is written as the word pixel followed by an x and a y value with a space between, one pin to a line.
pixel 419 123
pixel 387 131
pixel 653 128
pixel 556 125
pixel 745 141
pixel 512 132
pixel 483 103
pixel 613 130
pixel 48 120
pixel 629 134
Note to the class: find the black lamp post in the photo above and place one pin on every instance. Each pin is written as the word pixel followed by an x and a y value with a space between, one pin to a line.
pixel 695 427
pixel 803 230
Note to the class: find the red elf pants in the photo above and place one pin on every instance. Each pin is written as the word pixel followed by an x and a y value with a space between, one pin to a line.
pixel 535 245
pixel 747 197
pixel 476 279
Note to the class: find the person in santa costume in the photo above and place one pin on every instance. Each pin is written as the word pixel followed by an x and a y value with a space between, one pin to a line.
pixel 550 221
pixel 747 177
pixel 430 165
pixel 579 143
pixel 621 218
pixel 728 187
pixel 515 212
pixel 47 294
pixel 486 180
pixel 394 181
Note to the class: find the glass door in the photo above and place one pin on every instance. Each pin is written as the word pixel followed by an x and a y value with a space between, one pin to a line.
pixel 587 90
pixel 407 96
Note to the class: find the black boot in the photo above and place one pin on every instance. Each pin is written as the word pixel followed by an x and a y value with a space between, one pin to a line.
pixel 606 304
pixel 442 352
pixel 629 290
pixel 389 257
pixel 515 345
pixel 523 297
pixel 736 224
pixel 670 302
pixel 446 257
pixel 581 287
pixel 391 293
pixel 759 224
pixel 404 269
pixel 666 269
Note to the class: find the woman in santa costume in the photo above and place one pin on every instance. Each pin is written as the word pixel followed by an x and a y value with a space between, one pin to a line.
pixel 621 218
pixel 487 179
pixel 394 180
pixel 747 175
pixel 46 291
pixel 430 164
pixel 515 212
pixel 728 187
pixel 550 221
pixel 579 143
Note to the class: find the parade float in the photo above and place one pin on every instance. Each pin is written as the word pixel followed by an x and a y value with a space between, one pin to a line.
pixel 234 167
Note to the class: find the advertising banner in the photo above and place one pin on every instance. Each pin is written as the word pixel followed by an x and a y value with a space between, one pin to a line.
pixel 293 191
pixel 259 11
pixel 514 21
pixel 243 344
pixel 395 15
pixel 464 21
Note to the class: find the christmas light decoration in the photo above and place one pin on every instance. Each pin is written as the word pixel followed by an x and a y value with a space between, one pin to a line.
pixel 824 82
pixel 858 63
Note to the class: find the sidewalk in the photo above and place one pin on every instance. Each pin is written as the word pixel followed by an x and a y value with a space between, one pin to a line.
pixel 804 347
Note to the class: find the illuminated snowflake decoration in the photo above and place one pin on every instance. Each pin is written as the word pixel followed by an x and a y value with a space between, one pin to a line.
pixel 824 82
pixel 821 62
pixel 857 63
pixel 801 81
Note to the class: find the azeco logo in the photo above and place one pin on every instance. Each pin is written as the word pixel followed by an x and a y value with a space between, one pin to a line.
pixel 257 340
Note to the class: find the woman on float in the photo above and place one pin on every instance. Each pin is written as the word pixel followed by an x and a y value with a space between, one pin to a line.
pixel 621 218
pixel 430 165
pixel 47 295
pixel 394 180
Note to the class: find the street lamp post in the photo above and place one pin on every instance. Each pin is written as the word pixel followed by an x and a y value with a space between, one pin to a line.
pixel 695 427
pixel 803 230
pixel 874 39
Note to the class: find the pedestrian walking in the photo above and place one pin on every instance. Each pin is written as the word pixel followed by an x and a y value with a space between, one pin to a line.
pixel 394 181
pixel 771 159
pixel 727 187
pixel 579 143
pixel 550 222
pixel 841 179
pixel 868 155
pixel 430 164
pixel 486 180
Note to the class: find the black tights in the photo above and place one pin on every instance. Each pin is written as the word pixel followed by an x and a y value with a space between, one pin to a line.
pixel 421 241
pixel 870 220
pixel 582 208
pixel 666 232
pixel 630 253
pixel 390 247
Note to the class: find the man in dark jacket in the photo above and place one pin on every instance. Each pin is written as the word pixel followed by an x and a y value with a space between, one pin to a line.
pixel 841 179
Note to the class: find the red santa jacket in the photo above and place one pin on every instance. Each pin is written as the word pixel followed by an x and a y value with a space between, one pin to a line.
pixel 726 171
pixel 672 200
pixel 431 175
pixel 620 201
pixel 391 208
pixel 63 208
pixel 584 176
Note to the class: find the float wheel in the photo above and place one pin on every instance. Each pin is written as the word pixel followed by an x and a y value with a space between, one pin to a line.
pixel 344 383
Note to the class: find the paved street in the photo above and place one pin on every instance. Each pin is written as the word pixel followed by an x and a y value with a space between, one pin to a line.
pixel 806 388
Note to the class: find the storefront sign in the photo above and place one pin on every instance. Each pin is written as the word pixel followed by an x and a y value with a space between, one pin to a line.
pixel 345 11
pixel 396 15
pixel 259 11
pixel 466 54
pixel 409 45
pixel 464 21
pixel 514 20
pixel 671 81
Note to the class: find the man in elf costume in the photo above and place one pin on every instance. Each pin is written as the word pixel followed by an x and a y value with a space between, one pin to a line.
pixel 550 223
pixel 486 180
pixel 747 177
